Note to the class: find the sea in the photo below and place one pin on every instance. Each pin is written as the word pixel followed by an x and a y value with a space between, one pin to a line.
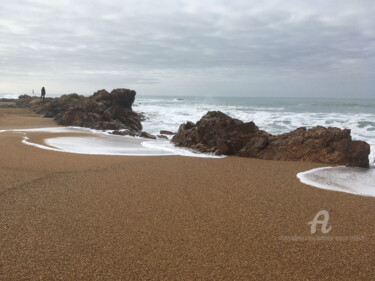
pixel 277 116
pixel 274 115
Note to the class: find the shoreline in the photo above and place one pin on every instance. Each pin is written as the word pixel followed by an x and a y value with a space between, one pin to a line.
pixel 81 140
pixel 75 216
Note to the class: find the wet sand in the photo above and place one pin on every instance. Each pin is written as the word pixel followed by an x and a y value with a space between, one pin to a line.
pixel 83 217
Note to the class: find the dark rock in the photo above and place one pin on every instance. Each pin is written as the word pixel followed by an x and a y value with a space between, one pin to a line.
pixel 102 95
pixel 125 115
pixel 162 137
pixel 24 97
pixel 134 134
pixel 147 136
pixel 142 116
pixel 215 132
pixel 123 97
pixel 24 101
pixel 102 110
pixel 221 134
pixel 125 133
pixel 165 132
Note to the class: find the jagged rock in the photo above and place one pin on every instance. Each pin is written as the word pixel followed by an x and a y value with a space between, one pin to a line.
pixel 165 132
pixel 23 102
pixel 123 97
pixel 221 134
pixel 125 133
pixel 215 132
pixel 134 134
pixel 162 137
pixel 147 136
pixel 102 110
pixel 24 97
pixel 101 95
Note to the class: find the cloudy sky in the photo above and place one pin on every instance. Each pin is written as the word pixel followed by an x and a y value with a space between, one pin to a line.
pixel 189 47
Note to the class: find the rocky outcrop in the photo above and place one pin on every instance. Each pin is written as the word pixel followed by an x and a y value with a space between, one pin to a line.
pixel 162 137
pixel 133 133
pixel 165 132
pixel 102 110
pixel 220 134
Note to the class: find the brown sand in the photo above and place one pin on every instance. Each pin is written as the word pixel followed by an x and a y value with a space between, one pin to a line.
pixel 82 217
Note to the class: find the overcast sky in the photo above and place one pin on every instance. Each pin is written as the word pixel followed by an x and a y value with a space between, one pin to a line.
pixel 189 47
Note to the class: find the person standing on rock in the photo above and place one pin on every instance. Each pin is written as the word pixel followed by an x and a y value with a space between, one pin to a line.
pixel 43 94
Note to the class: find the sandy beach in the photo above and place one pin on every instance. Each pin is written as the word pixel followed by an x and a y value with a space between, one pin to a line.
pixel 84 217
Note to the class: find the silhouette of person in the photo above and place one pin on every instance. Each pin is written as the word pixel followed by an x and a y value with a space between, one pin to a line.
pixel 43 94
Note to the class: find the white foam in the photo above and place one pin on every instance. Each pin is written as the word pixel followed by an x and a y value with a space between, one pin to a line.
pixel 106 145
pixel 167 146
pixel 103 143
pixel 113 145
pixel 358 181
pixel 163 114
pixel 120 145
pixel 25 140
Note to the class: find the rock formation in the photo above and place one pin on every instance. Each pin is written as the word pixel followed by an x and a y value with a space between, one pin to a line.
pixel 220 134
pixel 102 110
pixel 165 132
pixel 133 133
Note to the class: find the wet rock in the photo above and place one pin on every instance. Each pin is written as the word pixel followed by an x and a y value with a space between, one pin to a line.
pixel 147 136
pixel 165 132
pixel 102 110
pixel 162 137
pixel 133 133
pixel 220 134
pixel 125 133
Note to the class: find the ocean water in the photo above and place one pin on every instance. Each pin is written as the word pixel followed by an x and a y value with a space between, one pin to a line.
pixel 276 116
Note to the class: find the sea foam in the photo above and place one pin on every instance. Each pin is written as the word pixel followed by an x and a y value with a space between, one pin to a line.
pixel 103 143
pixel 351 180
pixel 272 115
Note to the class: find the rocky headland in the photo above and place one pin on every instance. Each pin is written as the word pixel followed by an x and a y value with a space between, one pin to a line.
pixel 103 111
pixel 218 133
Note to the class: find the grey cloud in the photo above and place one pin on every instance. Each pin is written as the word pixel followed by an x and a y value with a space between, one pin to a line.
pixel 171 44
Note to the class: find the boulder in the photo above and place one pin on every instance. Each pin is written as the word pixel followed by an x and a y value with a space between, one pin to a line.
pixel 165 132
pixel 215 132
pixel 162 137
pixel 123 97
pixel 220 134
pixel 102 110
pixel 147 136
pixel 125 133
pixel 24 97
pixel 133 134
